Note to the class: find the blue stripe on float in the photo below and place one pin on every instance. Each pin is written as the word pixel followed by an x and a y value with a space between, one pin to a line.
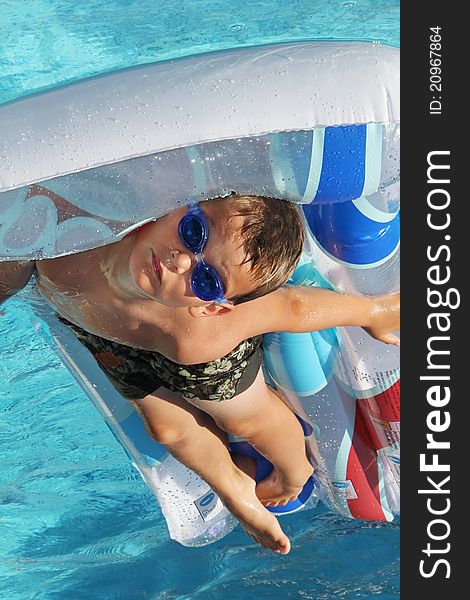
pixel 349 235
pixel 316 162
pixel 371 212
pixel 293 362
pixel 325 343
pixel 198 171
pixel 343 170
pixel 301 362
pixel 298 145
pixel 373 167
pixel 382 492
pixel 290 158
pixel 280 169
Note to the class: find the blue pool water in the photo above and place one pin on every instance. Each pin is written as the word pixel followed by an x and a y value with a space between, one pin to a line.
pixel 47 42
pixel 76 521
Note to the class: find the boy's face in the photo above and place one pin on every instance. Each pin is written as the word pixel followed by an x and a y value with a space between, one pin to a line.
pixel 161 265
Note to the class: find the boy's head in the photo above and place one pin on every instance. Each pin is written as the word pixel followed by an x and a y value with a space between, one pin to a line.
pixel 253 244
pixel 271 234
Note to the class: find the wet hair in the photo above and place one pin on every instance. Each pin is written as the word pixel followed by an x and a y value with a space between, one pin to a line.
pixel 272 236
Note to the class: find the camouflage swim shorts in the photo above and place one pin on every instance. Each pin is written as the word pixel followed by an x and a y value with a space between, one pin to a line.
pixel 137 373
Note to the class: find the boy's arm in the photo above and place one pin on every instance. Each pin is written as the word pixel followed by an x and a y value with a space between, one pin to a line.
pixel 301 309
pixel 14 275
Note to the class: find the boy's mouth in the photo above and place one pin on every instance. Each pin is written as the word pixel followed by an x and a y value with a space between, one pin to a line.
pixel 156 267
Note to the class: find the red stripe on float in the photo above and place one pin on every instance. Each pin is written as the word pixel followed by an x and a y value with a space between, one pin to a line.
pixel 362 470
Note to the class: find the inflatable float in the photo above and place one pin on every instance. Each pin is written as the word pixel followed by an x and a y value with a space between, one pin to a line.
pixel 316 123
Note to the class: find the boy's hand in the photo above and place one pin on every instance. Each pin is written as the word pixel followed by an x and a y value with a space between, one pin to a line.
pixel 384 318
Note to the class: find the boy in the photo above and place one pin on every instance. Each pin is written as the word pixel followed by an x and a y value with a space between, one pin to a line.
pixel 159 308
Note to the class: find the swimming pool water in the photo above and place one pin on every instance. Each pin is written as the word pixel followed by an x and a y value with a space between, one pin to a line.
pixel 47 42
pixel 76 521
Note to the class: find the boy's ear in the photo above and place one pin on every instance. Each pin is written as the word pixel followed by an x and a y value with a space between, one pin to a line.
pixel 211 310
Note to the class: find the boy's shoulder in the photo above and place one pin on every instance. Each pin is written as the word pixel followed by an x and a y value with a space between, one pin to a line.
pixel 14 276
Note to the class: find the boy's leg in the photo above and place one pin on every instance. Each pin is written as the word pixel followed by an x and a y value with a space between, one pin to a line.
pixel 194 439
pixel 261 417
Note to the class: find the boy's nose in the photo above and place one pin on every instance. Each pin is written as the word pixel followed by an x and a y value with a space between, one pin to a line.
pixel 180 261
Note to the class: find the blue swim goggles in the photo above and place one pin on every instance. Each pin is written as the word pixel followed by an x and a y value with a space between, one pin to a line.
pixel 193 231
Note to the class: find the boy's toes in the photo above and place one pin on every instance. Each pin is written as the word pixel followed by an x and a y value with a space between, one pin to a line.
pixel 284 546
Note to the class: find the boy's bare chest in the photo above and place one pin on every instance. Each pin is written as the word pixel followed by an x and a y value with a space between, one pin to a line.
pixel 77 289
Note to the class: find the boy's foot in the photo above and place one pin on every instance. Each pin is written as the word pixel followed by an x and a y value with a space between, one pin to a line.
pixel 257 522
pixel 275 490
pixel 279 488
